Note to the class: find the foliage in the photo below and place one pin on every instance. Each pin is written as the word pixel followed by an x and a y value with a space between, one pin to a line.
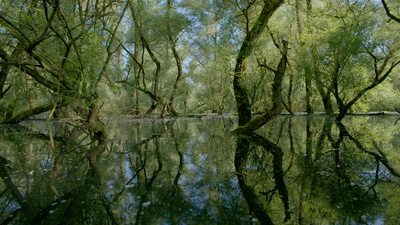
pixel 77 51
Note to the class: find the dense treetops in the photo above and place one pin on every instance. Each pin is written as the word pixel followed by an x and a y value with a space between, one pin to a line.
pixel 84 58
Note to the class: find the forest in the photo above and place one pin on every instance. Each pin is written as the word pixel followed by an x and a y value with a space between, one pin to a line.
pixel 271 111
pixel 88 59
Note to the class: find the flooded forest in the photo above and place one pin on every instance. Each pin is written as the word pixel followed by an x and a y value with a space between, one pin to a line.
pixel 199 112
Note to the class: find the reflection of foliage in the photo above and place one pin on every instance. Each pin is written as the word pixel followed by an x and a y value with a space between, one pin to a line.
pixel 343 178
pixel 183 172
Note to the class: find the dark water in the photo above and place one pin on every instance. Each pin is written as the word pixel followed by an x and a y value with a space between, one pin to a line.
pixel 295 170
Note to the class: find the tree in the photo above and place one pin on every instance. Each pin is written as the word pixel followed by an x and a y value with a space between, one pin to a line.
pixel 239 80
pixel 156 37
pixel 179 55
pixel 353 62
pixel 173 39
pixel 59 41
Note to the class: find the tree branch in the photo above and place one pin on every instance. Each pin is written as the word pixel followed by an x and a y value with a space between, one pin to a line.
pixel 390 15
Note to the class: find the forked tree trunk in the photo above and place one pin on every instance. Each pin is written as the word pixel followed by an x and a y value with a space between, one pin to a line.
pixel 239 80
pixel 277 98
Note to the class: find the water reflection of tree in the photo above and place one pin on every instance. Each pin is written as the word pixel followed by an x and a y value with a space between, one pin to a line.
pixel 336 177
pixel 153 196
pixel 256 206
pixel 76 156
pixel 47 199
pixel 179 173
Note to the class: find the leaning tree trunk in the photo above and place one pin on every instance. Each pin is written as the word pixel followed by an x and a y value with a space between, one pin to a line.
pixel 94 123
pixel 277 98
pixel 28 113
pixel 239 80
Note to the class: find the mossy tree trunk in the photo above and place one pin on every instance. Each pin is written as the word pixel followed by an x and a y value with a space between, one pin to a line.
pixel 277 98
pixel 28 113
pixel 309 97
pixel 239 80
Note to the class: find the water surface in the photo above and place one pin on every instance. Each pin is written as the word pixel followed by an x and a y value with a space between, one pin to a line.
pixel 295 170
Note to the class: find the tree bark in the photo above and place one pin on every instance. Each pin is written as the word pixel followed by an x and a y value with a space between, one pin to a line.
pixel 137 72
pixel 325 94
pixel 277 99
pixel 309 99
pixel 171 108
pixel 326 100
pixel 6 68
pixel 289 107
pixel 28 113
pixel 93 122
pixel 239 80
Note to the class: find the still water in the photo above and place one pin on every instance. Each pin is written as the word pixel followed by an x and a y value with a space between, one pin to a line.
pixel 295 170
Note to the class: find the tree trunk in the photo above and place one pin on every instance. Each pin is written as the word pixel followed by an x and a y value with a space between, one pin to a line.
pixel 93 122
pixel 156 75
pixel 325 94
pixel 28 113
pixel 307 70
pixel 154 59
pixel 327 101
pixel 309 99
pixel 137 68
pixel 239 79
pixel 5 70
pixel 277 99
pixel 137 72
pixel 290 94
pixel 171 108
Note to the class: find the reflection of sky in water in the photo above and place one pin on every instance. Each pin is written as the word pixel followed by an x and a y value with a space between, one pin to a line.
pixel 208 188
pixel 197 196
pixel 196 188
